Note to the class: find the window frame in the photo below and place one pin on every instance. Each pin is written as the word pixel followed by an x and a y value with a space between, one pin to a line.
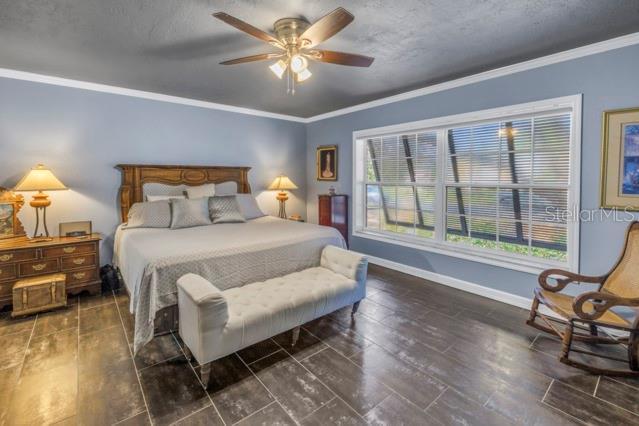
pixel 438 243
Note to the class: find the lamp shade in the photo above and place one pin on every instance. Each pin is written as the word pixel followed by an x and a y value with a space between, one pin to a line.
pixel 39 179
pixel 281 183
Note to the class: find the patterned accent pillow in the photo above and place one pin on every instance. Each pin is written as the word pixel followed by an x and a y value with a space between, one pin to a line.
pixel 225 209
pixel 188 213
pixel 151 214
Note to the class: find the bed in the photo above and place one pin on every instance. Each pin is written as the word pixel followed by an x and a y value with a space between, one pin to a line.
pixel 229 255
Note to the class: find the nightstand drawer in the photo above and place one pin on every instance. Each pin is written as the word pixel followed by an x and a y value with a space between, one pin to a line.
pixel 39 267
pixel 68 250
pixel 17 256
pixel 7 272
pixel 75 262
pixel 81 276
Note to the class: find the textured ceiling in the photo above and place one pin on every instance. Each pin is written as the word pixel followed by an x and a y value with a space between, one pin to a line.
pixel 173 47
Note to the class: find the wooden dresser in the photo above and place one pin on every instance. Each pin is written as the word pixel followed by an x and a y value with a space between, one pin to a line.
pixel 78 258
pixel 333 211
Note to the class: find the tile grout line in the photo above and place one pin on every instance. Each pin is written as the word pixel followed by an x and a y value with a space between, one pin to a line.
pixel 586 393
pixel 190 415
pixel 552 408
pixel 137 373
pixel 323 384
pixel 547 390
pixel 128 418
pixel 198 379
pixel 319 408
pixel 264 386
pixel 24 356
pixel 257 411
pixel 436 399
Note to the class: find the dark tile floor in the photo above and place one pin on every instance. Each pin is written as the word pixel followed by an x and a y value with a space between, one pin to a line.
pixel 416 353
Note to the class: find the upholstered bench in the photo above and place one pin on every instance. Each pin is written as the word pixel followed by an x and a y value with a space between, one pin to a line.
pixel 215 323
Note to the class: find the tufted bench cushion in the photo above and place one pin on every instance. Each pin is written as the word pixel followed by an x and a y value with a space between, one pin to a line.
pixel 216 323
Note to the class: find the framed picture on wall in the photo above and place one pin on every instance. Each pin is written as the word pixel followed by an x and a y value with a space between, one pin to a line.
pixel 620 159
pixel 327 162
pixel 10 204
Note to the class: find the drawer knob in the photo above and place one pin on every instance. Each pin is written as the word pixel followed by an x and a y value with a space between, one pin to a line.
pixel 79 261
pixel 69 249
pixel 39 266
pixel 6 257
pixel 79 275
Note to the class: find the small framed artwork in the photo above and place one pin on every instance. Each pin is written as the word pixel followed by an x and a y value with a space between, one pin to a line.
pixel 327 162
pixel 620 160
pixel 81 229
pixel 10 204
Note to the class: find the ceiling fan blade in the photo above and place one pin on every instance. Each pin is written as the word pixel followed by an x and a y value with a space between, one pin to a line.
pixel 326 27
pixel 248 28
pixel 341 58
pixel 253 58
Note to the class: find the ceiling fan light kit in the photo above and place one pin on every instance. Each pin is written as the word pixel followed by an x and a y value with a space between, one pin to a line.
pixel 297 38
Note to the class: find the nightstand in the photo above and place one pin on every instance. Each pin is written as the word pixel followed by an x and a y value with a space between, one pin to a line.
pixel 78 258
pixel 296 218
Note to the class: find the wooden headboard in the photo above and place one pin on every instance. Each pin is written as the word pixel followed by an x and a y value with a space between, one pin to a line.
pixel 134 176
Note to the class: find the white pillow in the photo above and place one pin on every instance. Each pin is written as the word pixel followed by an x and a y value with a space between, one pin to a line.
pixel 248 206
pixel 152 214
pixel 201 191
pixel 164 197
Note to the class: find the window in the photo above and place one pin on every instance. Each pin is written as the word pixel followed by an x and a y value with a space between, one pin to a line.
pixel 493 185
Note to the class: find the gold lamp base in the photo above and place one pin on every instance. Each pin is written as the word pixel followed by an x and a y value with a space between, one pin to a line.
pixel 40 202
pixel 282 197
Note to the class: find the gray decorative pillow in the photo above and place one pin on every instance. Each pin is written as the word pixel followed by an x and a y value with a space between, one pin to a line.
pixel 188 213
pixel 248 206
pixel 225 209
pixel 151 214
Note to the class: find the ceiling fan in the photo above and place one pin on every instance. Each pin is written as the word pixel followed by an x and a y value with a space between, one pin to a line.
pixel 297 39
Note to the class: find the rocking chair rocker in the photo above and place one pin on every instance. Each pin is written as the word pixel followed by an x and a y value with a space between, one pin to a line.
pixel 585 313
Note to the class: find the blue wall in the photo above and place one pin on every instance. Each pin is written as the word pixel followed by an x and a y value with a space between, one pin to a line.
pixel 81 135
pixel 607 81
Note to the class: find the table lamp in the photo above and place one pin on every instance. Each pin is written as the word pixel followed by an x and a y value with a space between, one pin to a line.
pixel 282 183
pixel 40 179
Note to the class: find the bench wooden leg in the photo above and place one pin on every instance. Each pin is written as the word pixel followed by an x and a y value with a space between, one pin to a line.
pixel 296 335
pixel 188 353
pixel 355 308
pixel 205 374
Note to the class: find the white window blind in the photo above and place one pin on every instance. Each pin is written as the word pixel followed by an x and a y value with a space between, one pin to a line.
pixel 503 182
pixel 501 185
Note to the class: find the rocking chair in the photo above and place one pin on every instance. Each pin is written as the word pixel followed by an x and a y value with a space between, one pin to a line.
pixel 584 314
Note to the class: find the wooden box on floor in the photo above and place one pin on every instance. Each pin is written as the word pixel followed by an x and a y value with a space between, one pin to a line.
pixel 38 294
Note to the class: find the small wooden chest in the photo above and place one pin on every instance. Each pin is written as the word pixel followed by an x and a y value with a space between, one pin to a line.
pixel 38 294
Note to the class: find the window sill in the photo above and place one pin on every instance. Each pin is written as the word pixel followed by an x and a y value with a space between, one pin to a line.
pixel 500 259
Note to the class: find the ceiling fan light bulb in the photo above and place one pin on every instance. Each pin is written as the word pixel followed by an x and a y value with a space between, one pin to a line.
pixel 305 74
pixel 298 63
pixel 278 68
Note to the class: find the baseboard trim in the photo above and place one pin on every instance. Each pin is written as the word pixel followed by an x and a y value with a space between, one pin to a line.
pixel 470 287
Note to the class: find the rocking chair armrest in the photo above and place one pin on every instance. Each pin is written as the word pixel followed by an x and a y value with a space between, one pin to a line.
pixel 601 303
pixel 568 277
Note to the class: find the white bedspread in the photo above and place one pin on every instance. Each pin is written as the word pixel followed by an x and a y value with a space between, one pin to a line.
pixel 228 255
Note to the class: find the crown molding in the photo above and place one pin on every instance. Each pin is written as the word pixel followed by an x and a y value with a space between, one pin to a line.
pixel 579 52
pixel 567 55
pixel 97 87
